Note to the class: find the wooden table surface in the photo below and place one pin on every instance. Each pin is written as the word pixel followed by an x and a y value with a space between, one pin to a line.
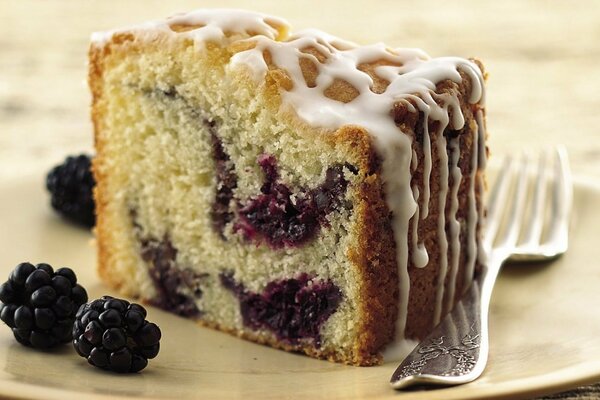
pixel 543 59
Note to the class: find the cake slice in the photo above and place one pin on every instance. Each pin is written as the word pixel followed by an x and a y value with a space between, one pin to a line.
pixel 297 190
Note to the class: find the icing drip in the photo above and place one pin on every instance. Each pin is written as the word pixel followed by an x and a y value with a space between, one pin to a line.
pixel 420 256
pixel 441 233
pixel 426 167
pixel 479 163
pixel 481 152
pixel 454 224
pixel 409 76
pixel 207 25
pixel 476 185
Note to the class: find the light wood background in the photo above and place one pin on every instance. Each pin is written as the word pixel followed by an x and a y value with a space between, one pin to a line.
pixel 543 58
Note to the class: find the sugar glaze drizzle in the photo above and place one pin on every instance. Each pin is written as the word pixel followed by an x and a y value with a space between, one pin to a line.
pixel 412 77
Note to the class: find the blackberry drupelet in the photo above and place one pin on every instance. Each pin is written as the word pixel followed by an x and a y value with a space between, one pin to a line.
pixel 113 334
pixel 39 304
pixel 71 188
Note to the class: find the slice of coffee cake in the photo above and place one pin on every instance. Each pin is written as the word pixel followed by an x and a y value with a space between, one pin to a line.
pixel 296 190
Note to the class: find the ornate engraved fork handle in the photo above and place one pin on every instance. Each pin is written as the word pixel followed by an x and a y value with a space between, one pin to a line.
pixel 456 351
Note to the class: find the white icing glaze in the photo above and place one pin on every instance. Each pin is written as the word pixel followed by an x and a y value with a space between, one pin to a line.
pixel 426 167
pixel 454 223
pixel 481 163
pixel 475 216
pixel 412 77
pixel 441 229
pixel 420 257
pixel 214 24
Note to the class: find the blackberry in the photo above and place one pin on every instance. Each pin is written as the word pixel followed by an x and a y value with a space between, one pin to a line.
pixel 39 304
pixel 71 185
pixel 114 335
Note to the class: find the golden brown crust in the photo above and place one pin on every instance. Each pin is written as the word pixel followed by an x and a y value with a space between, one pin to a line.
pixel 106 256
pixel 95 82
pixel 266 338
pixel 374 255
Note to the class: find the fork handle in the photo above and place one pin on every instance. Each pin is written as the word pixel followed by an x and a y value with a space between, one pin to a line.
pixel 456 351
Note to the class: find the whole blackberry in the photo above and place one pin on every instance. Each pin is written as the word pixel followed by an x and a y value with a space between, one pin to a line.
pixel 113 334
pixel 71 188
pixel 39 304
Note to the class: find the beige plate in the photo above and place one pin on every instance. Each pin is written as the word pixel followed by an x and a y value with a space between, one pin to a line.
pixel 545 326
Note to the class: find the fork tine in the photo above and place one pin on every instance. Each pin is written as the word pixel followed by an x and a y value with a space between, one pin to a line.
pixel 517 209
pixel 496 202
pixel 533 229
pixel 562 197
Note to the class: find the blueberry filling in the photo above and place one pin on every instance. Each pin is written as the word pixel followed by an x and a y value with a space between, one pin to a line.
pixel 284 218
pixel 177 288
pixel 293 309
pixel 221 214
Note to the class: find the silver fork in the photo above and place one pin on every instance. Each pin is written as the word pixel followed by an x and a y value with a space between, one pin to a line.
pixel 520 226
